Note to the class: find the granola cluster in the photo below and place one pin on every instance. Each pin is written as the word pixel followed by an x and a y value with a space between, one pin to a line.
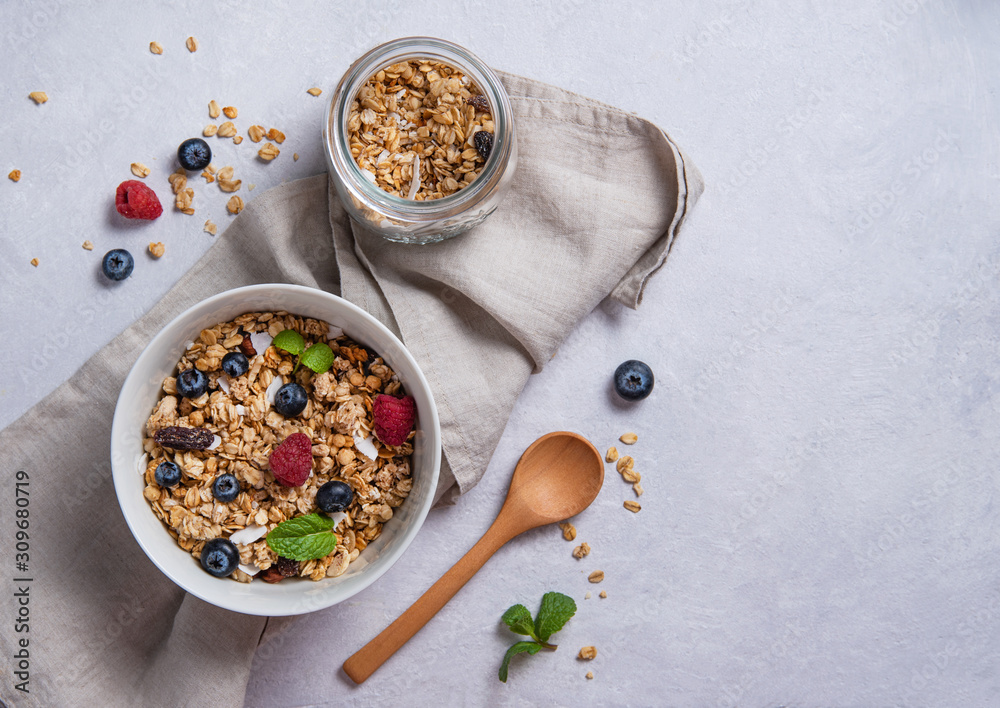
pixel 411 129
pixel 337 416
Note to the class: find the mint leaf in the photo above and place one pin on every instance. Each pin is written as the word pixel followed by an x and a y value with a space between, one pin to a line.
pixel 303 538
pixel 319 357
pixel 289 340
pixel 555 611
pixel 518 618
pixel 530 647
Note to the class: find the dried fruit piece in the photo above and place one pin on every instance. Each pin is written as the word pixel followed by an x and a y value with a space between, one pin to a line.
pixel 581 551
pixel 632 506
pixel 291 462
pixel 246 346
pixel 479 102
pixel 38 96
pixel 235 204
pixel 134 200
pixel 587 653
pixel 156 249
pixel 284 568
pixel 393 418
pixel 230 111
pixel 178 438
pixel 276 135
pixel 268 152
pixel 612 455
pixel 139 169
pixel 484 143
pixel 156 48
pixel 314 91
pixel 191 44
pixel 568 530
pixel 14 176
pixel 629 438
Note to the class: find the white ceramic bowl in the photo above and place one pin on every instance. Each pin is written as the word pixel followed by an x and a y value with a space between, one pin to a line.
pixel 142 389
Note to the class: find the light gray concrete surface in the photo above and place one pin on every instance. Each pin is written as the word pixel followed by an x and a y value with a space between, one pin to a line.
pixel 820 523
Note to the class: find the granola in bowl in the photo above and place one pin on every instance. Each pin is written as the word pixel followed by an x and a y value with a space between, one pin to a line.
pixel 246 427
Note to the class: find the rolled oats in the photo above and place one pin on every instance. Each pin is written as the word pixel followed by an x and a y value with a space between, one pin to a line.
pixel 139 169
pixel 38 96
pixel 587 653
pixel 629 438
pixel 632 506
pixel 596 577
pixel 637 488
pixel 226 130
pixel 276 135
pixel 612 455
pixel 213 109
pixel 295 156
pixel 268 152
pixel 210 130
pixel 211 228
pixel 156 48
pixel 156 250
pixel 314 91
pixel 581 551
pixel 189 510
pixel 256 133
pixel 237 139
pixel 235 204
pixel 568 530
pixel 88 245
pixel 230 111
pixel 191 44
pixel 14 176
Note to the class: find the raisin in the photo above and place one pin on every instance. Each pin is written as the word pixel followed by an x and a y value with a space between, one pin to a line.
pixel 284 568
pixel 479 102
pixel 179 438
pixel 246 346
pixel 484 143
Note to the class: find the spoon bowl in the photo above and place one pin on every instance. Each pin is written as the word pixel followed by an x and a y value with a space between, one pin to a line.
pixel 557 477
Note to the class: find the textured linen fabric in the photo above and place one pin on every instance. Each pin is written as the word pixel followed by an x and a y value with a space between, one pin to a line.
pixel 596 202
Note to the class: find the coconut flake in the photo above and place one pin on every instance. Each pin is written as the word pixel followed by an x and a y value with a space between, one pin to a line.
pixel 141 462
pixel 382 157
pixel 337 517
pixel 251 533
pixel 260 341
pixel 223 382
pixel 415 182
pixel 272 390
pixel 216 441
pixel 240 409
pixel 334 332
pixel 250 570
pixel 366 447
pixel 368 175
pixel 189 345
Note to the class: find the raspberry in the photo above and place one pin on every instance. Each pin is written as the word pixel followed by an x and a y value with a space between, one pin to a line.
pixel 291 461
pixel 134 200
pixel 393 418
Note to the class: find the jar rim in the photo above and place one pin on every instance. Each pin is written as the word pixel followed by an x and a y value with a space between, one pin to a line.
pixel 335 132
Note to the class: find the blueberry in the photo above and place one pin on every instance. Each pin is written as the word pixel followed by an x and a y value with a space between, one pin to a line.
pixel 633 380
pixel 167 474
pixel 220 557
pixel 118 264
pixel 194 154
pixel 334 496
pixel 235 364
pixel 226 487
pixel 290 400
pixel 191 383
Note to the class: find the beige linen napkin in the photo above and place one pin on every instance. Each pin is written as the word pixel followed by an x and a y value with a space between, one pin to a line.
pixel 596 203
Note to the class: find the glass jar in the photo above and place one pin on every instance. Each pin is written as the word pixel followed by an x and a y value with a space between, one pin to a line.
pixel 407 220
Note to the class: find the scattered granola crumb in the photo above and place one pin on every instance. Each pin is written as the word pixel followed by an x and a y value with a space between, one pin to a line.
pixel 251 186
pixel 14 176
pixel 238 139
pixel 34 262
pixel 88 245
pixel 581 551
pixel 256 133
pixel 604 594
pixel 227 130
pixel 38 96
pixel 276 135
pixel 637 488
pixel 191 44
pixel 632 506
pixel 629 438
pixel 178 180
pixel 314 91
pixel 184 199
pixel 568 530
pixel 295 156
pixel 139 170
pixel 590 675
pixel 612 455
pixel 268 152
pixel 230 111
pixel 596 577
pixel 587 596
pixel 156 48
pixel 213 109
pixel 235 204
pixel 211 228
pixel 156 249
pixel 210 130
pixel 587 653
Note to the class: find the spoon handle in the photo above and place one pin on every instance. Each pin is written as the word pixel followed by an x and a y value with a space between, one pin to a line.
pixel 373 654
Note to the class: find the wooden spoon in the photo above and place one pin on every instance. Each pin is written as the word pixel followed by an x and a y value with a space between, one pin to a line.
pixel 556 478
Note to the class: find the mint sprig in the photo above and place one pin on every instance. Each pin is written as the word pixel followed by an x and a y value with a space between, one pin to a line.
pixel 303 538
pixel 555 611
pixel 318 357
